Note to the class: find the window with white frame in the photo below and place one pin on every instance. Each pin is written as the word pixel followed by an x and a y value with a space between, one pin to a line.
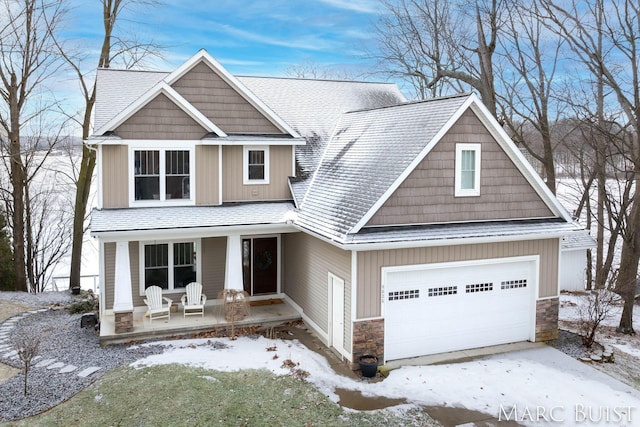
pixel 467 174
pixel 255 165
pixel 162 174
pixel 169 265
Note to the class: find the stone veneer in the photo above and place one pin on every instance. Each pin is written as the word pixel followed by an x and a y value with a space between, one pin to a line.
pixel 547 319
pixel 368 338
pixel 124 322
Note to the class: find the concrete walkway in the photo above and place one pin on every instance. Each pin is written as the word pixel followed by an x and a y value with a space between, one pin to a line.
pixel 8 352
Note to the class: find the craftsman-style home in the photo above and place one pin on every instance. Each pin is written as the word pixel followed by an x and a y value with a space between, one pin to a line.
pixel 390 227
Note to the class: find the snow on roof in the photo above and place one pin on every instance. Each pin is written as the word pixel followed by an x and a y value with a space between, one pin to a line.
pixel 184 217
pixel 369 150
pixel 578 240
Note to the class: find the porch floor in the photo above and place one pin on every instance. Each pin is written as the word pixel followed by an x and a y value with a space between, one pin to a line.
pixel 266 314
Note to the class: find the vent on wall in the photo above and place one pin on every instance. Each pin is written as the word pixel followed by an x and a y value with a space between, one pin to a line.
pixel 399 295
pixel 441 291
pixel 478 287
pixel 513 284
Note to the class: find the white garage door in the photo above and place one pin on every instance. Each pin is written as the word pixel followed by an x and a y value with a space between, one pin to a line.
pixel 437 308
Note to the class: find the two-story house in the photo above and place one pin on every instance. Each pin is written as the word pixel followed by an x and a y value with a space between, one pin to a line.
pixel 393 228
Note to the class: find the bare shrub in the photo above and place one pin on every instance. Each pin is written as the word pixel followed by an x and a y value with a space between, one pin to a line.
pixel 592 311
pixel 27 343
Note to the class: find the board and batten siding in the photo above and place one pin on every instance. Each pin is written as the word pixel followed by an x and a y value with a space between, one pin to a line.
pixel 207 176
pixel 234 189
pixel 110 273
pixel 221 103
pixel 160 119
pixel 370 265
pixel 307 263
pixel 115 176
pixel 214 258
pixel 427 194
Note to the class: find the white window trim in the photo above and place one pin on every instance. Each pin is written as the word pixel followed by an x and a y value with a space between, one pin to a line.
pixel 162 201
pixel 245 164
pixel 171 290
pixel 459 191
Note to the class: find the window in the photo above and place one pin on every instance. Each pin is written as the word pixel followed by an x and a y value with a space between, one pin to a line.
pixel 467 178
pixel 162 180
pixel 169 265
pixel 256 165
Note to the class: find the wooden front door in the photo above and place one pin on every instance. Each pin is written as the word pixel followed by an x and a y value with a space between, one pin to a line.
pixel 260 265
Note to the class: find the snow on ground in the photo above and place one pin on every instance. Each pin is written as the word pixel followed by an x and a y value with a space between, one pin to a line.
pixel 570 318
pixel 541 379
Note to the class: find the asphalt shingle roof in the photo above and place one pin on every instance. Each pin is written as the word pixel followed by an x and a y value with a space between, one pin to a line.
pixel 369 150
pixel 184 217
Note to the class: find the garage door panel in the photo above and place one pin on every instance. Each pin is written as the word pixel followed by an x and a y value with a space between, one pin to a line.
pixel 435 309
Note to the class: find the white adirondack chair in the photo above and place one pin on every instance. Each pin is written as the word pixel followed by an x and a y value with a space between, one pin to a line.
pixel 193 301
pixel 157 310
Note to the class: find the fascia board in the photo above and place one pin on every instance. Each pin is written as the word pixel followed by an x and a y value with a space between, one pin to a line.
pixel 177 99
pixel 416 161
pixel 230 79
pixel 518 159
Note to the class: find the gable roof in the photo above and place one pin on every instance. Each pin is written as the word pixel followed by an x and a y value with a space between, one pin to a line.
pixel 371 153
pixel 110 117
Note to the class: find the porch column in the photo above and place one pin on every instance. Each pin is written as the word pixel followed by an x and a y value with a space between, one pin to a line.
pixel 233 276
pixel 122 297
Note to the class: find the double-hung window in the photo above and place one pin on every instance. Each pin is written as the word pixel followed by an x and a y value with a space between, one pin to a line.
pixel 467 171
pixel 162 175
pixel 255 167
pixel 169 265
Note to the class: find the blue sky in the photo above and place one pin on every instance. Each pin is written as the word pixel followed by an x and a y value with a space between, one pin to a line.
pixel 255 37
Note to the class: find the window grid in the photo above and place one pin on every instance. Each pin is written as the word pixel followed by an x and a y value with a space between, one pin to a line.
pixel 256 164
pixel 147 162
pixel 478 287
pixel 468 170
pixel 401 295
pixel 513 284
pixel 442 291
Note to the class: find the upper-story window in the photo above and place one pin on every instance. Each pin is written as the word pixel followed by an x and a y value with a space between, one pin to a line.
pixel 467 174
pixel 162 175
pixel 255 165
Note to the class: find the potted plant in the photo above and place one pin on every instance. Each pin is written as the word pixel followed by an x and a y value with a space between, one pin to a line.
pixel 368 365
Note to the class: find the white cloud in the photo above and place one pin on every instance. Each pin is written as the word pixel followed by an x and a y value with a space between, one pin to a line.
pixel 362 6
pixel 308 43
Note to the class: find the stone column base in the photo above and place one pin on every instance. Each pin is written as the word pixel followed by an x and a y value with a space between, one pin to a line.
pixel 124 322
pixel 368 338
pixel 547 319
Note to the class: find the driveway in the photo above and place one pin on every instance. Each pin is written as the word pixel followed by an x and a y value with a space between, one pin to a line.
pixel 532 387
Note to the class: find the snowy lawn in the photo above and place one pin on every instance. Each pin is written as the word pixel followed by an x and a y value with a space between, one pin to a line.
pixel 531 386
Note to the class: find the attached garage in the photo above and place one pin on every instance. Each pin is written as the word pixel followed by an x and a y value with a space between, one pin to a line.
pixel 435 308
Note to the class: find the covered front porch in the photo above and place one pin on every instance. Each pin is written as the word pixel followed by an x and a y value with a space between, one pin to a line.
pixel 263 312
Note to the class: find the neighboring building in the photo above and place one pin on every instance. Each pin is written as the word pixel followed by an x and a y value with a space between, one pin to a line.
pixel 393 228
pixel 573 261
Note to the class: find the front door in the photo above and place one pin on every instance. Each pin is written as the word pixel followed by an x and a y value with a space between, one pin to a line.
pixel 260 265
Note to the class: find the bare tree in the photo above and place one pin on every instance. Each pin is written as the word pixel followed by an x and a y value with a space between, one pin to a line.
pixel 615 24
pixel 27 343
pixel 594 309
pixel 130 52
pixel 310 69
pixel 438 44
pixel 27 60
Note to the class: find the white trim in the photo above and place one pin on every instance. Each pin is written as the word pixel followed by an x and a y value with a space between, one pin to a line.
pixel 467 192
pixel 101 276
pixel 160 88
pixel 253 140
pixel 162 200
pixel 293 161
pixel 559 267
pixel 324 337
pixel 245 165
pixel 416 161
pixel 193 232
pixel 330 278
pixel 502 139
pixel 546 298
pixel 203 56
pixel 99 160
pixel 367 319
pixel 171 289
pixel 220 175
pixel 518 159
